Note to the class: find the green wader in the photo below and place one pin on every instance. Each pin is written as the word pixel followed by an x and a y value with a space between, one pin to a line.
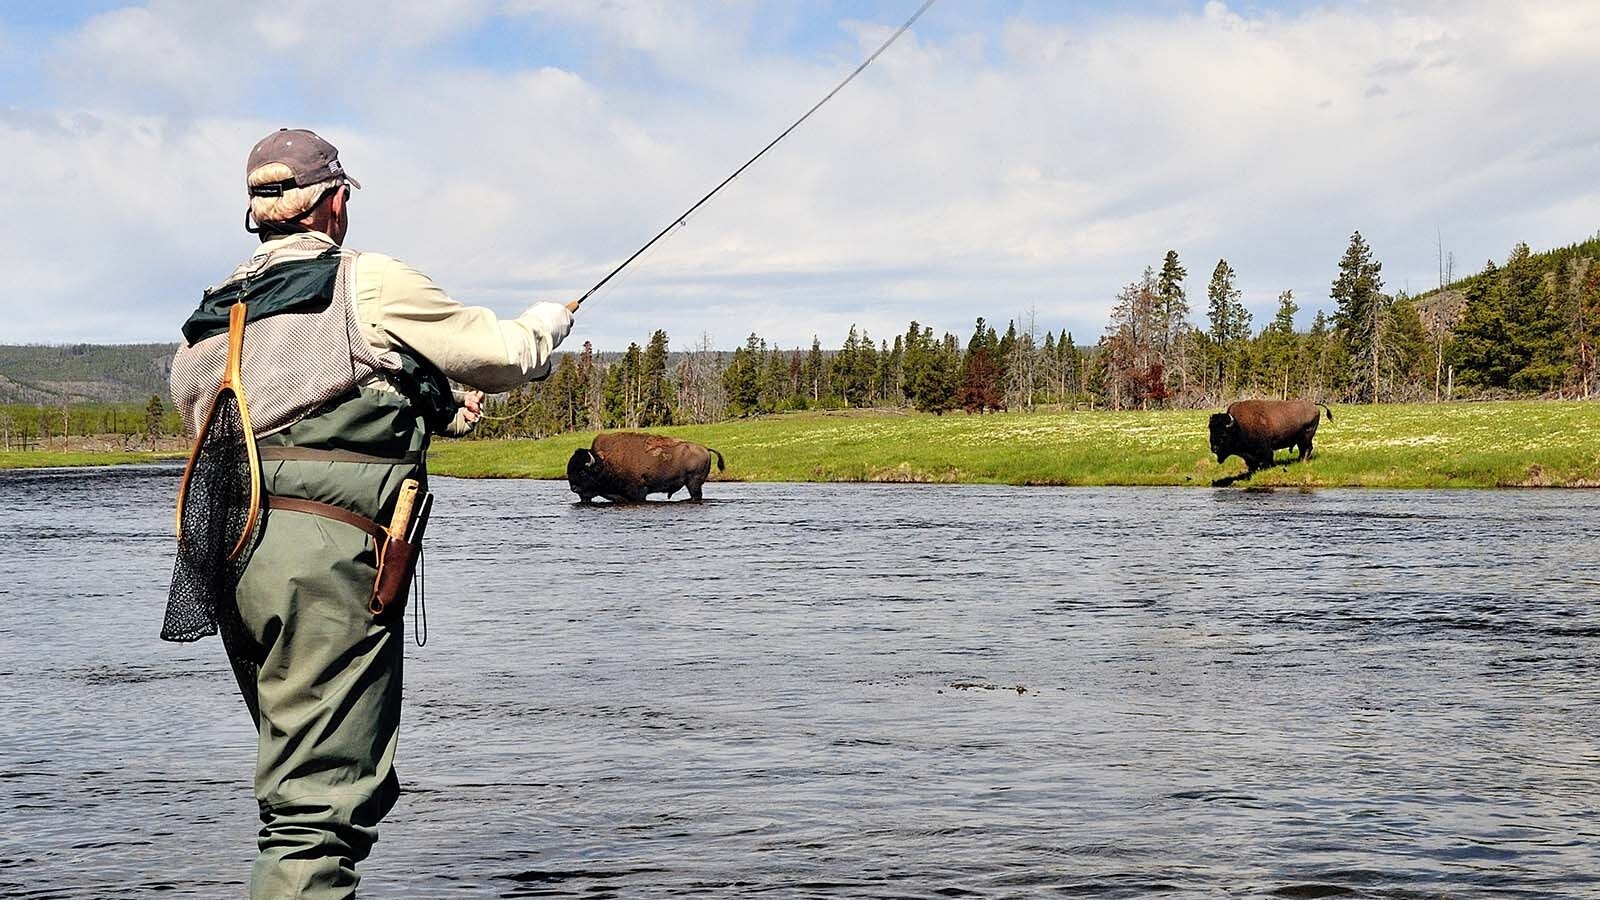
pixel 327 691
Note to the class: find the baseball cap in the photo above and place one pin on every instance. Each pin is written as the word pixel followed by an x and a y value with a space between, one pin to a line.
pixel 308 156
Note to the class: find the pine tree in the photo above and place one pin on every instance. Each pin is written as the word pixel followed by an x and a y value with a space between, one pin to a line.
pixel 614 396
pixel 741 378
pixel 655 401
pixel 1534 322
pixel 154 412
pixel 1050 368
pixel 943 378
pixel 933 369
pixel 1230 321
pixel 846 369
pixel 814 371
pixel 883 375
pixel 567 395
pixel 1072 365
pixel 1361 316
pixel 1483 349
pixel 911 362
pixel 772 384
pixel 1172 315
pixel 980 389
pixel 593 398
pixel 866 370
pixel 1172 320
pixel 1280 344
pixel 1405 360
pixel 979 376
pixel 897 372
pixel 794 393
pixel 1003 350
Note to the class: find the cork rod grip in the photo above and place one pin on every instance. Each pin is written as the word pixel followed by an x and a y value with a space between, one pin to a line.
pixel 404 505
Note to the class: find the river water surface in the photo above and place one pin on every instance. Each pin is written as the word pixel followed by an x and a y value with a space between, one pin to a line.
pixel 861 691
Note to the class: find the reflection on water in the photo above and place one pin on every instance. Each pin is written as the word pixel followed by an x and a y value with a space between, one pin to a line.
pixel 861 691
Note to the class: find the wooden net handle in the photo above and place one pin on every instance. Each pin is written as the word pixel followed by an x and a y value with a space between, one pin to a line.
pixel 230 375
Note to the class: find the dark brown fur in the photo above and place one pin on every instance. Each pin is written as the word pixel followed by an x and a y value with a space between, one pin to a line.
pixel 627 466
pixel 1253 429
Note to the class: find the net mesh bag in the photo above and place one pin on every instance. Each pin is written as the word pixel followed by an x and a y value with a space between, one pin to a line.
pixel 214 516
pixel 217 525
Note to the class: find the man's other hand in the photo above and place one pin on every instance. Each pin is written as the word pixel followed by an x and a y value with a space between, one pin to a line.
pixel 472 406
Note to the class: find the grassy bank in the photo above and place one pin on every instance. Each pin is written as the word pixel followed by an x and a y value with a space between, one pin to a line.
pixel 45 459
pixel 1424 445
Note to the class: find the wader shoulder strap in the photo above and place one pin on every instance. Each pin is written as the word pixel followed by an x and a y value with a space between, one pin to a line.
pixel 328 511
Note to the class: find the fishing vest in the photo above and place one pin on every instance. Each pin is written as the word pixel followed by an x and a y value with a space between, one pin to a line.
pixel 337 423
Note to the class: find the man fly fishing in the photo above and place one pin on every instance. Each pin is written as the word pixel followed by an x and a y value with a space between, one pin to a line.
pixel 304 483
pixel 301 511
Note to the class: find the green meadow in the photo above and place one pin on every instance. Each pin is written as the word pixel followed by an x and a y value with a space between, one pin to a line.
pixel 1500 444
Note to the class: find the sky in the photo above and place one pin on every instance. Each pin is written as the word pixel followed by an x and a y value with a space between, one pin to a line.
pixel 1013 159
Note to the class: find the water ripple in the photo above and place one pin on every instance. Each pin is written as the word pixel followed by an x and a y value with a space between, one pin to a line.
pixel 862 691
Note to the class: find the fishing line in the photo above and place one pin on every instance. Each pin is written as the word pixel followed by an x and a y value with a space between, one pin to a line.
pixel 681 220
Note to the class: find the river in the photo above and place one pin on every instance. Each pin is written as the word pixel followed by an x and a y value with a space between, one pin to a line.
pixel 798 690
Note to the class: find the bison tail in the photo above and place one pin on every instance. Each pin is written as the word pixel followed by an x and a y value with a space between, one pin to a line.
pixel 720 466
pixel 1327 410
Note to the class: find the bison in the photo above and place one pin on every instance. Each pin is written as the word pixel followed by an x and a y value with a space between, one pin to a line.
pixel 1253 429
pixel 624 467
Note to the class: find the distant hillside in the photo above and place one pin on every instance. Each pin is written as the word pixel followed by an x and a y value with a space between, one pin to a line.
pixel 104 373
pixel 1547 262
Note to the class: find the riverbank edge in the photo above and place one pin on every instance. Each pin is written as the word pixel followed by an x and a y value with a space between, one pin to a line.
pixel 17 460
pixel 1268 480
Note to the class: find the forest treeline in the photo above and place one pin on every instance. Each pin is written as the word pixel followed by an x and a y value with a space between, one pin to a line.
pixel 1524 327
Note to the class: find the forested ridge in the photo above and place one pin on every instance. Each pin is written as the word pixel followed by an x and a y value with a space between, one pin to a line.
pixel 51 374
pixel 1525 327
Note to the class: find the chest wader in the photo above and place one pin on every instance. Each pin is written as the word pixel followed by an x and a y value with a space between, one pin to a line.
pixel 319 671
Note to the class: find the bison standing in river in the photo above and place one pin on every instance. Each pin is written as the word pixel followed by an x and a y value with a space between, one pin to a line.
pixel 625 467
pixel 1253 429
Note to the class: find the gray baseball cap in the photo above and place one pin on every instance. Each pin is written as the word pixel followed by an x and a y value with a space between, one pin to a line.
pixel 311 159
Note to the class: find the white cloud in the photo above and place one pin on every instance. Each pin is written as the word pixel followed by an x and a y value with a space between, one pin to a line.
pixel 1014 165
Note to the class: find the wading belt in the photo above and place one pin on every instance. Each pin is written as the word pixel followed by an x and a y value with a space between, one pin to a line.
pixel 313 454
pixel 399 546
pixel 329 511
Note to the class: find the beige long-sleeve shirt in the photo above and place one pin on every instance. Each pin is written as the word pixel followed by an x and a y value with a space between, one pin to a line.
pixel 396 304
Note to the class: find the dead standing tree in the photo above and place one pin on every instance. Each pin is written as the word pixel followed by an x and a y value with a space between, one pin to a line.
pixel 1582 303
pixel 1440 312
pixel 698 380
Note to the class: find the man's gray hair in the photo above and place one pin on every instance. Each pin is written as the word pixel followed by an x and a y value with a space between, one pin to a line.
pixel 293 203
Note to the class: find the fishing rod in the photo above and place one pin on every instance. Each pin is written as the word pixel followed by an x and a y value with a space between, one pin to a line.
pixel 682 219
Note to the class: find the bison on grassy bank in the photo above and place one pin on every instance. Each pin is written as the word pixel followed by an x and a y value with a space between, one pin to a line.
pixel 626 466
pixel 1254 429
